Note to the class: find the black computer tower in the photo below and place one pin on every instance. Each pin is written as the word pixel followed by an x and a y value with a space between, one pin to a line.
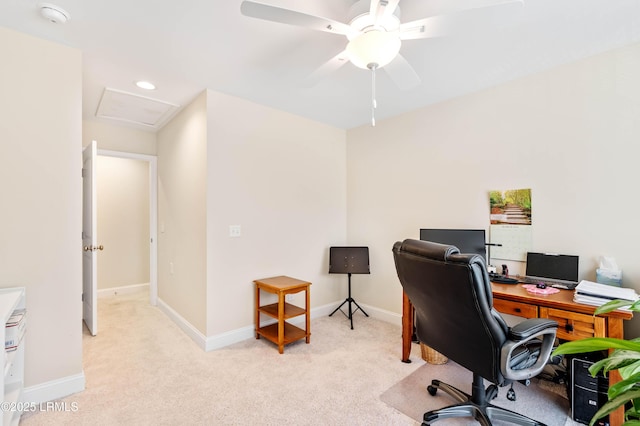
pixel 588 393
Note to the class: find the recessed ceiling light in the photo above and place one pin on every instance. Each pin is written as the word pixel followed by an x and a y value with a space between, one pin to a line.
pixel 145 85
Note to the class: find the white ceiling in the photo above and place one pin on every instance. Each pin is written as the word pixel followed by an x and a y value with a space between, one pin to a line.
pixel 186 46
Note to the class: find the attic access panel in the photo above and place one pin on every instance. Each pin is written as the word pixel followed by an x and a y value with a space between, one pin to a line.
pixel 136 109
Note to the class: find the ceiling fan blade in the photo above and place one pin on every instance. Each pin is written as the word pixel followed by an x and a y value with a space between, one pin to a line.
pixel 402 73
pixel 291 17
pixel 325 69
pixel 461 22
pixel 373 9
pixel 380 9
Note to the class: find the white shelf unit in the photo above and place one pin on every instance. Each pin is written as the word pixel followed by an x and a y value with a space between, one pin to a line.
pixel 12 362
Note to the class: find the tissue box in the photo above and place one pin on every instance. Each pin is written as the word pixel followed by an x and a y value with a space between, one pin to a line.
pixel 605 276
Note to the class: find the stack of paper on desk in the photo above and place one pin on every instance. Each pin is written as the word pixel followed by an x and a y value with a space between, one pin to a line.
pixel 597 294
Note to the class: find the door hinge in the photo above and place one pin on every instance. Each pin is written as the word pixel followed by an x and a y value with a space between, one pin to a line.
pixel 84 172
pixel 82 297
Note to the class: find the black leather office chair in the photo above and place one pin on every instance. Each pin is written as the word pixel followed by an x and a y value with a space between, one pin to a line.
pixel 451 295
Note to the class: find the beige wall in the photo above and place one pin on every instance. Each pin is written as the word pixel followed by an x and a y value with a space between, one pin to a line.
pixel 182 172
pixel 569 134
pixel 225 161
pixel 118 138
pixel 123 221
pixel 40 183
pixel 282 178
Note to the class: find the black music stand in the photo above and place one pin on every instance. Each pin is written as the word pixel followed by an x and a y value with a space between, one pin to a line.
pixel 349 260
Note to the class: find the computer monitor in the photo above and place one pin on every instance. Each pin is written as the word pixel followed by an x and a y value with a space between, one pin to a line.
pixel 561 267
pixel 470 241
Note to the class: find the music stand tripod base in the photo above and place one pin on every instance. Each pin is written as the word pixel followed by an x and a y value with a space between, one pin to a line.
pixel 350 300
pixel 349 260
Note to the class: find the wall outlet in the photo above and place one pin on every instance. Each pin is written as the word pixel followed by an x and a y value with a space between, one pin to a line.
pixel 289 298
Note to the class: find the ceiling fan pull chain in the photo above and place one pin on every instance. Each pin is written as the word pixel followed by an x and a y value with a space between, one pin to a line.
pixel 374 104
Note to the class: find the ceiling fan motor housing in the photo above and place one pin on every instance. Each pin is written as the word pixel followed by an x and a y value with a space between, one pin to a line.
pixel 361 19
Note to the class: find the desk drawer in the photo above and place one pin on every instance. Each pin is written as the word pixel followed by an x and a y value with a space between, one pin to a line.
pixel 515 308
pixel 574 326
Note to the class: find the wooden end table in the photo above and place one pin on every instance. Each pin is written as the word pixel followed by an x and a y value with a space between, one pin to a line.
pixel 282 332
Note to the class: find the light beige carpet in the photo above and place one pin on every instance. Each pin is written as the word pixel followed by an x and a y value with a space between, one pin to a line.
pixel 141 369
pixel 411 397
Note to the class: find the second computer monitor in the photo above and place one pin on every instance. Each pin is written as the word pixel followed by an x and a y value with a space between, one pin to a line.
pixel 467 240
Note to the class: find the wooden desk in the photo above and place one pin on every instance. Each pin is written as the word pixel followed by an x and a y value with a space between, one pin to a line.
pixel 282 333
pixel 575 320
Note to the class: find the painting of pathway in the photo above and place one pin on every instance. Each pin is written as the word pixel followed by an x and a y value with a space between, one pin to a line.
pixel 511 207
pixel 515 215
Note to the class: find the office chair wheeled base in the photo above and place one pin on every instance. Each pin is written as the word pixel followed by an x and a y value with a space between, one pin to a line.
pixel 476 405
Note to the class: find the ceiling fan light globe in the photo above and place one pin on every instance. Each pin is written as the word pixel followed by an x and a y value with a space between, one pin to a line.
pixel 375 47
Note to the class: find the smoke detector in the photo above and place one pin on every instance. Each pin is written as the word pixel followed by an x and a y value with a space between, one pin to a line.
pixel 54 13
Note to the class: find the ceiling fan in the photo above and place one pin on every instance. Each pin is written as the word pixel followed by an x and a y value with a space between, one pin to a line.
pixel 375 34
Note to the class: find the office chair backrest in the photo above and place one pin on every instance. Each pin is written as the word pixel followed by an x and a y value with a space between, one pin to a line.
pixel 451 295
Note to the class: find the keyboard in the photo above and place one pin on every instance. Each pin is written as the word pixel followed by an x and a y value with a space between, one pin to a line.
pixel 549 283
pixel 501 279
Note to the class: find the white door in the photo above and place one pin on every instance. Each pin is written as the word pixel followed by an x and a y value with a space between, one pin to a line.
pixel 89 239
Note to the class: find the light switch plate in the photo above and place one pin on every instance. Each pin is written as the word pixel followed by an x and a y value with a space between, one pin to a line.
pixel 235 230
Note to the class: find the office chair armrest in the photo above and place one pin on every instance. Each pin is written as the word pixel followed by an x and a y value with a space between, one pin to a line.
pixel 531 326
pixel 525 332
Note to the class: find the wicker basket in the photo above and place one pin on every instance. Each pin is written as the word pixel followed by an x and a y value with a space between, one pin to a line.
pixel 432 356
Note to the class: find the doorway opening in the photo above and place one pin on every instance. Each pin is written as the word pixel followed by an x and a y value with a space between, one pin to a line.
pixel 90 235
pixel 125 169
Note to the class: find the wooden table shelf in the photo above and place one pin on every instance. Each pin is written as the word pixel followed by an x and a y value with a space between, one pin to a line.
pixel 290 311
pixel 282 333
pixel 291 333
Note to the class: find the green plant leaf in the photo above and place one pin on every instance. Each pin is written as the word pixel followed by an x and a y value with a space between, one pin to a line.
pixel 623 386
pixel 631 369
pixel 632 413
pixel 613 404
pixel 592 344
pixel 613 305
pixel 628 362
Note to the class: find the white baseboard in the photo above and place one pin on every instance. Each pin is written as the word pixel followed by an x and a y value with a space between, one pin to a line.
pixel 125 289
pixel 184 325
pixel 55 389
pixel 248 332
pixel 227 338
pixel 382 315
